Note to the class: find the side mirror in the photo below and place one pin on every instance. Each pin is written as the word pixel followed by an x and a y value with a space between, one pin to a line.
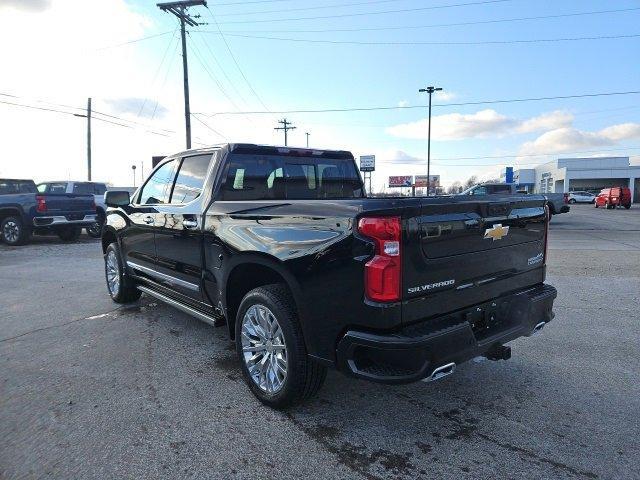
pixel 117 198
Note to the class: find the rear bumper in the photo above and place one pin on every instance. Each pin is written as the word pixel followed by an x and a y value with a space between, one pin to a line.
pixel 413 353
pixel 58 220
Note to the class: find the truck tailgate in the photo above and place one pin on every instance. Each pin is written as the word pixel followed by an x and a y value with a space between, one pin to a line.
pixel 69 203
pixel 464 251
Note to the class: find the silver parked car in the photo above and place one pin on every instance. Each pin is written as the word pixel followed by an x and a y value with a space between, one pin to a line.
pixel 581 197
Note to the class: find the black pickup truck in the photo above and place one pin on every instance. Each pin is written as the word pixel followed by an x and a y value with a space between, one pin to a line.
pixel 282 246
pixel 25 211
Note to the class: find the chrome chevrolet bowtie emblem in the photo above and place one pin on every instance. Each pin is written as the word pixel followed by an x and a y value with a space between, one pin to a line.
pixel 496 232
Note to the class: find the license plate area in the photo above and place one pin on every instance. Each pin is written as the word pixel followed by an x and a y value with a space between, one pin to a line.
pixel 491 318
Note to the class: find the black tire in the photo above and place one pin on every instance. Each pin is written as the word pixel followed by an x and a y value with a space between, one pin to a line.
pixel 606 205
pixel 628 206
pixel 13 231
pixel 595 204
pixel 572 201
pixel 69 234
pixel 304 377
pixel 95 230
pixel 126 291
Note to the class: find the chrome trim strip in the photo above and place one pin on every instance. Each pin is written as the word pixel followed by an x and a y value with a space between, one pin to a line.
pixel 164 276
pixel 174 303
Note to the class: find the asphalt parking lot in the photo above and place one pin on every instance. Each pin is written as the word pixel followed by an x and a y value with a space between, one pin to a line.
pixel 89 390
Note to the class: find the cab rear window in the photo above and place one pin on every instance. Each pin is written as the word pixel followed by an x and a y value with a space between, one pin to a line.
pixel 271 177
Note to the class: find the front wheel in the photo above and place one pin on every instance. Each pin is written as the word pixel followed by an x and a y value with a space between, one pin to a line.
pixel 572 201
pixel 121 287
pixel 272 351
pixel 14 232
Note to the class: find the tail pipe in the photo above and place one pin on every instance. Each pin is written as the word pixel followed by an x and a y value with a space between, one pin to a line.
pixel 441 372
pixel 538 328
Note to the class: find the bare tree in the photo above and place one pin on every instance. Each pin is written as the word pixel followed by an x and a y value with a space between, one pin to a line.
pixel 471 181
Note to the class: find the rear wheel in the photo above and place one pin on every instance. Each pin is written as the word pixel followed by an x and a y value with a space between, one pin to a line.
pixel 121 287
pixel 14 232
pixel 272 351
pixel 69 234
pixel 572 201
pixel 627 206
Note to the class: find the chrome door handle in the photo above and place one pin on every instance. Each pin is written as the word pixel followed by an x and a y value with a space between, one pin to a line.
pixel 148 220
pixel 189 223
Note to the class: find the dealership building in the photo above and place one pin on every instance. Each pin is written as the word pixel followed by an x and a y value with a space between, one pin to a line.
pixel 570 174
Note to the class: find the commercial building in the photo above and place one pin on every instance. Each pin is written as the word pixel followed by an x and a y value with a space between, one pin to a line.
pixel 569 174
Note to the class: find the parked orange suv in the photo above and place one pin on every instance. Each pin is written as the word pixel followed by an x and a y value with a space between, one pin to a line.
pixel 614 197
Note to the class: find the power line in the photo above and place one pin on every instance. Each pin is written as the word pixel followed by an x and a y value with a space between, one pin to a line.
pixel 437 105
pixel 235 61
pixel 209 127
pixel 435 25
pixel 134 41
pixel 317 7
pixel 363 14
pixel 483 42
pixel 155 76
pixel 73 114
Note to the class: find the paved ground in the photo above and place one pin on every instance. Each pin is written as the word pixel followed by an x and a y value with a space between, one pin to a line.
pixel 91 391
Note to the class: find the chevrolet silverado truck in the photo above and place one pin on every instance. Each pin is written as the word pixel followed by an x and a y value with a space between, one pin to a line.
pixel 25 211
pixel 557 202
pixel 97 189
pixel 283 247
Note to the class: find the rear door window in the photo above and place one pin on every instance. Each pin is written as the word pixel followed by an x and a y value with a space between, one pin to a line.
pixel 190 179
pixel 83 188
pixel 53 187
pixel 157 190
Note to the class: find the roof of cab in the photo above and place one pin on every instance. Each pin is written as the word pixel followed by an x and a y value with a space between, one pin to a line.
pixel 265 149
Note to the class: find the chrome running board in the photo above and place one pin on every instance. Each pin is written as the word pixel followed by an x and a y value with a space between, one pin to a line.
pixel 180 306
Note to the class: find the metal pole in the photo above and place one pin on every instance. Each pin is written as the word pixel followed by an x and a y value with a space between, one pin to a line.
pixel 185 72
pixel 429 147
pixel 285 133
pixel 307 134
pixel 89 138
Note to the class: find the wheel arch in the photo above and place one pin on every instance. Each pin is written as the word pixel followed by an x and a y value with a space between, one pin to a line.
pixel 108 237
pixel 252 271
pixel 10 212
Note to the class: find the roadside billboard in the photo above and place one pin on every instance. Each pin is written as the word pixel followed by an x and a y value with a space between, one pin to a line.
pixel 367 163
pixel 401 181
pixel 421 181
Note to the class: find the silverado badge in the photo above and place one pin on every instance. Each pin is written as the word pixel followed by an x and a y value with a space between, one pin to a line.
pixel 496 232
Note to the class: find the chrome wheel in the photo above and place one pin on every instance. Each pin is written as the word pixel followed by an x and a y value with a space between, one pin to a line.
pixel 11 231
pixel 263 349
pixel 113 273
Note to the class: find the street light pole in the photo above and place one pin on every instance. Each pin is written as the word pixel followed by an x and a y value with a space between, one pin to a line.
pixel 430 91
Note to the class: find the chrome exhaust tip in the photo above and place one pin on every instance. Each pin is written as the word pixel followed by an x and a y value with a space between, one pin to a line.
pixel 441 372
pixel 538 328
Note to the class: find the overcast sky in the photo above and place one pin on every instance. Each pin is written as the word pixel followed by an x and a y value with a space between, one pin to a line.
pixel 299 57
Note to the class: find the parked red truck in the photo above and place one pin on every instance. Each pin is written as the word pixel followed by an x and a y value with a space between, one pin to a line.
pixel 614 197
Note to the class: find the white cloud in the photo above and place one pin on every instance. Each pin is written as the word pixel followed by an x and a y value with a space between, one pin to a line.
pixel 546 121
pixel 403 103
pixel 482 124
pixel 569 139
pixel 33 5
pixel 456 126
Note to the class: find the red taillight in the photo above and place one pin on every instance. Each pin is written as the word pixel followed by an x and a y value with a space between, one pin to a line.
pixel 382 272
pixel 41 207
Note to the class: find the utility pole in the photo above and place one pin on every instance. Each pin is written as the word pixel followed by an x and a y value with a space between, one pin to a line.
pixel 307 134
pixel 286 127
pixel 430 91
pixel 88 117
pixel 180 10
